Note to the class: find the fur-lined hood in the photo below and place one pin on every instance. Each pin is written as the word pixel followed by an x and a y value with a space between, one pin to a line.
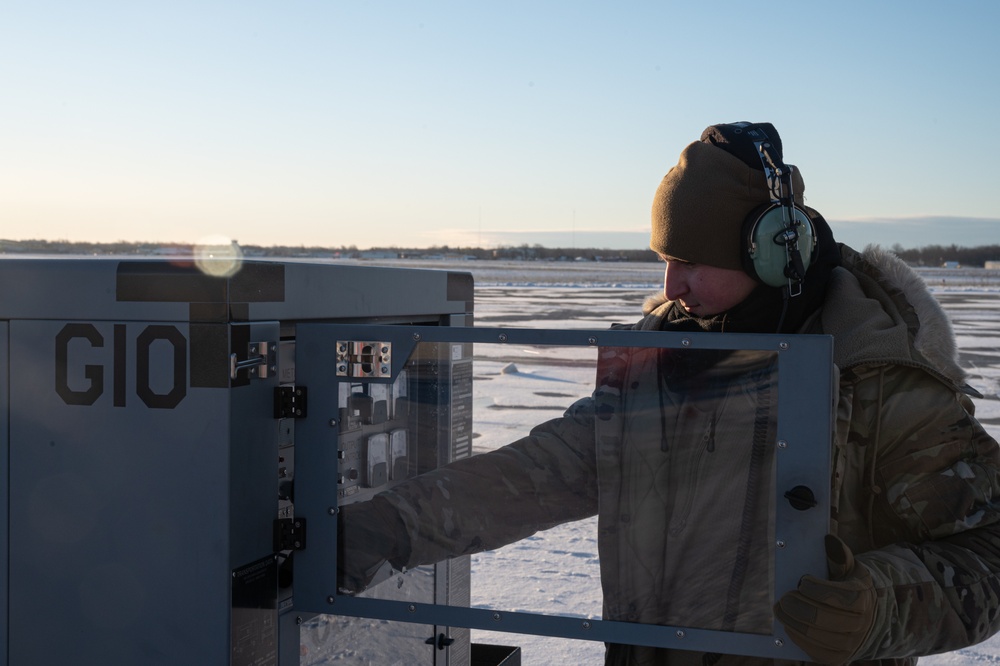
pixel 879 311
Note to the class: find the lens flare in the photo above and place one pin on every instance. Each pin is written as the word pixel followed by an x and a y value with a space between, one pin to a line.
pixel 218 256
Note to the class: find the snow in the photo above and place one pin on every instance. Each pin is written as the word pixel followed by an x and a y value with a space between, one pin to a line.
pixel 557 571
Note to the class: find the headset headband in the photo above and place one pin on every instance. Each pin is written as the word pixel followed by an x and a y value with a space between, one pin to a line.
pixel 779 185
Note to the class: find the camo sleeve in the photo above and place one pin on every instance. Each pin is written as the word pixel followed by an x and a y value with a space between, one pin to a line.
pixel 935 518
pixel 496 498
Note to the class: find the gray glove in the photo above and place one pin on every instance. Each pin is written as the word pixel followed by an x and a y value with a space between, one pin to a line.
pixel 831 619
pixel 368 534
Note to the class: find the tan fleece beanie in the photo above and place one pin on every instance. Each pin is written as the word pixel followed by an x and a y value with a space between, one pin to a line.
pixel 701 204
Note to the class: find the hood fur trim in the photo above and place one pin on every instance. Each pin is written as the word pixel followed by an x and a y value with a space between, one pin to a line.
pixel 880 311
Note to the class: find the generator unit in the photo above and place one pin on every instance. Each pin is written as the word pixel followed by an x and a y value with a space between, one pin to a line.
pixel 181 440
pixel 149 413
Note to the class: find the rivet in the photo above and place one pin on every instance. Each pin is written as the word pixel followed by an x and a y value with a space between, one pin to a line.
pixel 411 608
pixel 592 340
pixel 416 337
pixel 686 342
pixel 330 599
pixel 680 634
pixel 782 444
pixel 496 616
pixel 780 543
pixel 502 337
pixel 586 624
pixel 783 346
pixel 779 642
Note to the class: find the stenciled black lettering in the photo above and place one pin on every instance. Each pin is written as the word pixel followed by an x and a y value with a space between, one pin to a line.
pixel 119 366
pixel 170 334
pixel 93 373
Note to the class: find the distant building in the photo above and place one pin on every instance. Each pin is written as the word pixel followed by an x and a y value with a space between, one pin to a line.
pixel 992 265
pixel 951 264
pixel 379 254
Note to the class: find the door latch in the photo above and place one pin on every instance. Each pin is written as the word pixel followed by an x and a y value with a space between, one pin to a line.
pixel 364 359
pixel 261 361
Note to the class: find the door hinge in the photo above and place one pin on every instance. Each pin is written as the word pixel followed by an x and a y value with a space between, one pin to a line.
pixel 291 402
pixel 289 534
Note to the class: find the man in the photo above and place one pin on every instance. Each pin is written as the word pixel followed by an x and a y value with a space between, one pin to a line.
pixel 914 550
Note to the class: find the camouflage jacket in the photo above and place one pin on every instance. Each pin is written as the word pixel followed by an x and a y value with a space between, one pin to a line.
pixel 913 487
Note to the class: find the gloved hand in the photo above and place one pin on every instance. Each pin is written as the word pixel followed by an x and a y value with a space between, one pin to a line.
pixel 831 619
pixel 368 534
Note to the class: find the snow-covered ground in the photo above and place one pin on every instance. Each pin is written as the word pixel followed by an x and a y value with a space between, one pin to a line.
pixel 557 571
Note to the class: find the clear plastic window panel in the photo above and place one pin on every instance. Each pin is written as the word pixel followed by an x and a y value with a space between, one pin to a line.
pixel 584 487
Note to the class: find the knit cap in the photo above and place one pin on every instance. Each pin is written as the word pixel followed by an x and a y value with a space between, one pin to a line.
pixel 701 204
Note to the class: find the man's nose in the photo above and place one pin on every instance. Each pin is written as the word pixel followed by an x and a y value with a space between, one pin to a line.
pixel 674 281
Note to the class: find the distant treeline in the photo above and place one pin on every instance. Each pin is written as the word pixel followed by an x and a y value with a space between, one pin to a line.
pixel 930 255
pixel 937 255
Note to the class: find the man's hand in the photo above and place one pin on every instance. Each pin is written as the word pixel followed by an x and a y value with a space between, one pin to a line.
pixel 368 534
pixel 831 619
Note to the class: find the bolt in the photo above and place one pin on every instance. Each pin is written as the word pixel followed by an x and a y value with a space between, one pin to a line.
pixel 332 511
pixel 412 608
pixel 779 642
pixel 783 346
pixel 680 634
pixel 385 369
pixel 416 337
pixel 780 543
pixel 586 625
pixel 496 616
pixel 592 340
pixel 686 342
pixel 298 619
pixel 782 444
pixel 330 599
pixel 333 422
pixel 502 337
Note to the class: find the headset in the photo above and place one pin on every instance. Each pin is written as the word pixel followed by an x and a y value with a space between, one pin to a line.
pixel 779 240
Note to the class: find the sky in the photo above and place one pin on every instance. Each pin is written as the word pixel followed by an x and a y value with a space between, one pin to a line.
pixel 374 124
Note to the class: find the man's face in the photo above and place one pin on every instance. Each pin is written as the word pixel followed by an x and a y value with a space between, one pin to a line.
pixel 704 290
